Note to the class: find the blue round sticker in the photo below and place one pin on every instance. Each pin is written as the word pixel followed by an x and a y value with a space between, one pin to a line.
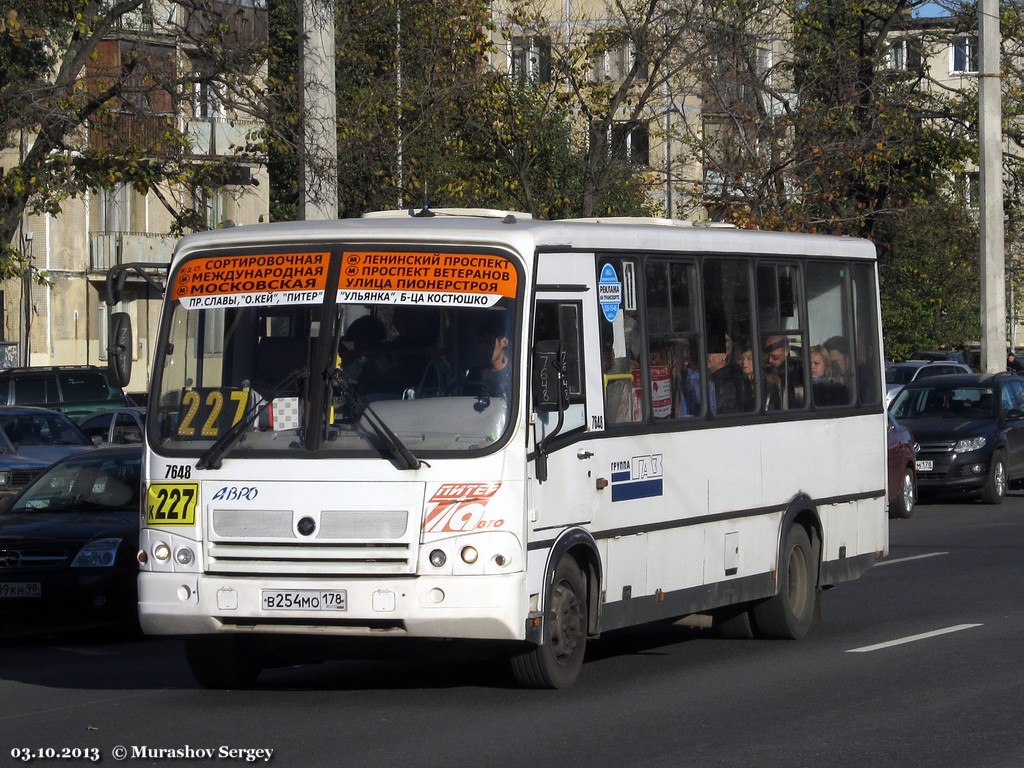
pixel 609 292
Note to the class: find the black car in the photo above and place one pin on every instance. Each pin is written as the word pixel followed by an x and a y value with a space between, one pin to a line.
pixel 970 429
pixel 68 545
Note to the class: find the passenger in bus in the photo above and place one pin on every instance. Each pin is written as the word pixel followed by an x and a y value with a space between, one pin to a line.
pixel 783 371
pixel 495 375
pixel 821 364
pixel 728 390
pixel 771 390
pixel 827 384
pixel 839 354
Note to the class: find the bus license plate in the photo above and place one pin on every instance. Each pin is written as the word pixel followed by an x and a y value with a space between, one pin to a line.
pixel 924 466
pixel 21 589
pixel 305 600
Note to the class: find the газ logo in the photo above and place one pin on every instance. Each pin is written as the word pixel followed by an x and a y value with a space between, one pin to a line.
pixel 639 477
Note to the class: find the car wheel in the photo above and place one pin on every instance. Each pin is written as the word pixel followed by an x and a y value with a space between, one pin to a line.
pixel 995 487
pixel 903 505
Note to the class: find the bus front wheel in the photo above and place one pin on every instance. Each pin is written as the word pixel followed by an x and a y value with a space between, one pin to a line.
pixel 788 615
pixel 556 662
pixel 222 662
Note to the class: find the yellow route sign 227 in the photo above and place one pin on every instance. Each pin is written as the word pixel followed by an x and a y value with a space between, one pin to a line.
pixel 172 503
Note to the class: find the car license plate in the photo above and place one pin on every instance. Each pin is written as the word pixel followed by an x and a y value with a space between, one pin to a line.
pixel 20 589
pixel 924 466
pixel 305 600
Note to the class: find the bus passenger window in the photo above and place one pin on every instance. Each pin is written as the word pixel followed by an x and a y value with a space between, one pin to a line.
pixel 621 346
pixel 727 330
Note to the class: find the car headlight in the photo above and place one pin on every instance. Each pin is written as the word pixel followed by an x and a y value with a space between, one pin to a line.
pixel 99 553
pixel 969 444
pixel 5 479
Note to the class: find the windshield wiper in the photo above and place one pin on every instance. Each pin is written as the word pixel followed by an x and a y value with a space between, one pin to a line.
pixel 211 458
pixel 405 458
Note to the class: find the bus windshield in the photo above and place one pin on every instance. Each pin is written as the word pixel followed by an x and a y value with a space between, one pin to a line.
pixel 366 373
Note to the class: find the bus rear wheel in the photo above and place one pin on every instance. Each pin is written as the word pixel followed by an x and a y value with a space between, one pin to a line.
pixel 556 662
pixel 222 662
pixel 788 615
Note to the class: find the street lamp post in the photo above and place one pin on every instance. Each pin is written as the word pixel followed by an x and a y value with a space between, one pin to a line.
pixel 25 356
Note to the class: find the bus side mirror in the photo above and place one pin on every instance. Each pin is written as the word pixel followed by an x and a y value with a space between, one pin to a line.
pixel 550 382
pixel 119 349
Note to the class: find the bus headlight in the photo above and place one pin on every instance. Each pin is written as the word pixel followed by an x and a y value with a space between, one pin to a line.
pixel 161 552
pixel 469 555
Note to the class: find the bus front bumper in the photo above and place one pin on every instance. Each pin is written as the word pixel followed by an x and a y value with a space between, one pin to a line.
pixel 491 607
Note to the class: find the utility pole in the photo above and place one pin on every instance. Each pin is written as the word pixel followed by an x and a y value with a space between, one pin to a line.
pixel 318 166
pixel 993 259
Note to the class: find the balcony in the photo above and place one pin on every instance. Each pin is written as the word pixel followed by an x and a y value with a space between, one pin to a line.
pixel 217 137
pixel 108 249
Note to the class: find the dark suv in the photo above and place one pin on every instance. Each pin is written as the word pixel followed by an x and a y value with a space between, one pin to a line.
pixel 970 429
pixel 76 390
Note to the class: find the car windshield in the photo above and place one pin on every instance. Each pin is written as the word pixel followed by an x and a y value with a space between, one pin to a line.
pixel 41 428
pixel 964 402
pixel 414 352
pixel 900 374
pixel 91 482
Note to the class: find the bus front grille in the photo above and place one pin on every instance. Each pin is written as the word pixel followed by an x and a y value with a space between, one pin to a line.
pixel 326 542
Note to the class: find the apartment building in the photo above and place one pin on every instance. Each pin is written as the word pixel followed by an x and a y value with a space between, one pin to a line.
pixel 61 320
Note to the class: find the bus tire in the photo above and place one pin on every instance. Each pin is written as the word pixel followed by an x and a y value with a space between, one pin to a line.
pixel 995 487
pixel 788 614
pixel 221 662
pixel 556 662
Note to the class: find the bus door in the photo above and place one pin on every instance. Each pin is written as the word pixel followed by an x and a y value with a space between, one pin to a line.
pixel 562 471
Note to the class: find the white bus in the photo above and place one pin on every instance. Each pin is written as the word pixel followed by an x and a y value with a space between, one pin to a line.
pixel 467 425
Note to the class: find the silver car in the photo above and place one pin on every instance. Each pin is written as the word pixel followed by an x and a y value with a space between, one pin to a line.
pixel 897 375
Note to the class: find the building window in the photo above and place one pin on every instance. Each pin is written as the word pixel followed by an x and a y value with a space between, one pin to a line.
pixel 531 59
pixel 904 56
pixel 631 142
pixel 615 63
pixel 970 189
pixel 965 54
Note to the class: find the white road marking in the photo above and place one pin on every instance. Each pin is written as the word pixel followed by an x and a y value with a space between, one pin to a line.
pixel 913 638
pixel 908 559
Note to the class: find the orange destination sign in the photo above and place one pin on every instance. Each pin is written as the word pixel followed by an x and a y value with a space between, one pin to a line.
pixel 253 280
pixel 391 277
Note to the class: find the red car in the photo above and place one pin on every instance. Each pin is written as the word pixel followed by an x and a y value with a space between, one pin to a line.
pixel 902 478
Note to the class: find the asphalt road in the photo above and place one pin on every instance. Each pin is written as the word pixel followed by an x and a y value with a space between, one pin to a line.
pixel 916 664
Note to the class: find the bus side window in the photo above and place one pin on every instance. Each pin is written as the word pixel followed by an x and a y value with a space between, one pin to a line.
pixel 671 339
pixel 621 346
pixel 727 332
pixel 829 329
